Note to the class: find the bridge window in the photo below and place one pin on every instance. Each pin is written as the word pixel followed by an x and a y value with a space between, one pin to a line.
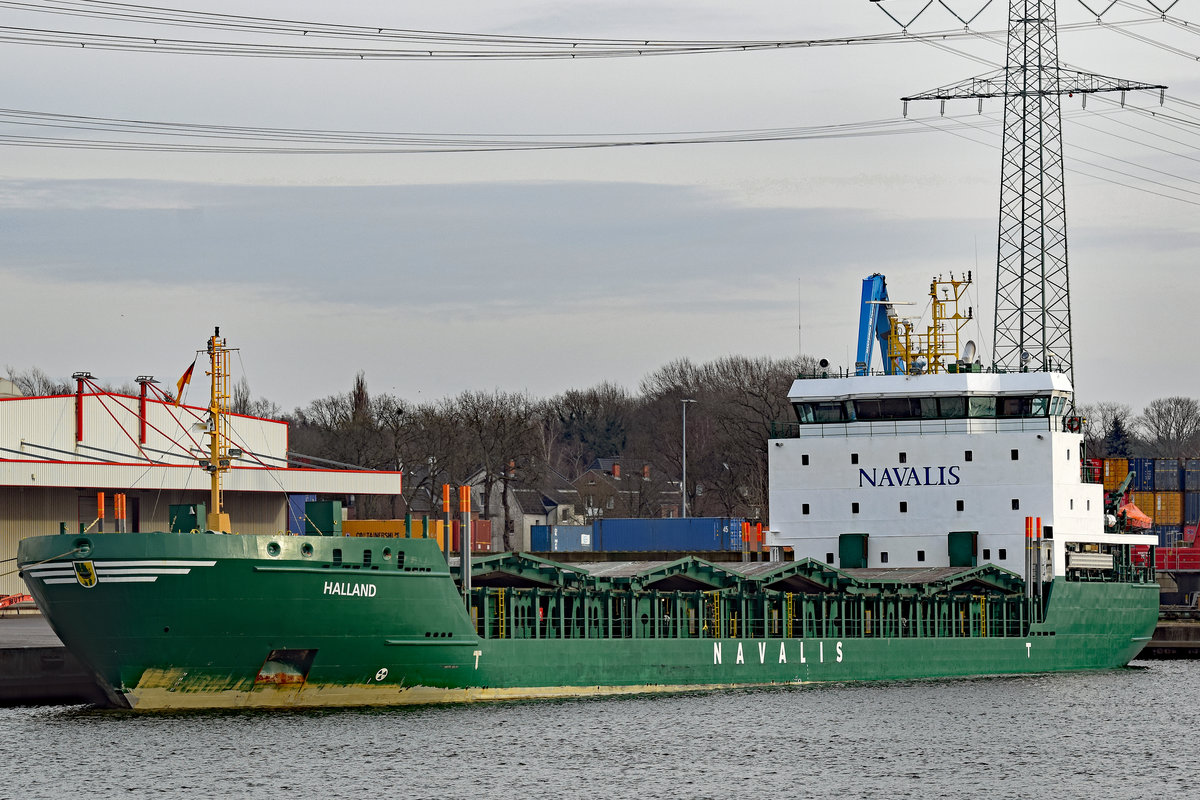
pixel 1003 554
pixel 981 406
pixel 804 508
pixel 952 407
pixel 920 555
pixel 831 411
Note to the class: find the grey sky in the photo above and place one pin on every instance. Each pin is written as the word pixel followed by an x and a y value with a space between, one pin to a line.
pixel 545 271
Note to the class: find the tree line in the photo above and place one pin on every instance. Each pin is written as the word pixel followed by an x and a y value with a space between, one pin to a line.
pixel 500 440
pixel 1167 428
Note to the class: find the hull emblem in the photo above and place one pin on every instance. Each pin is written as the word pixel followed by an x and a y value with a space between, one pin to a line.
pixel 85 573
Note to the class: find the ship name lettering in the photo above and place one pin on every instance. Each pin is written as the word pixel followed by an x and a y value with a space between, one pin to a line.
pixel 740 658
pixel 802 661
pixel 839 652
pixel 347 589
pixel 762 652
pixel 909 476
pixel 782 653
pixel 716 652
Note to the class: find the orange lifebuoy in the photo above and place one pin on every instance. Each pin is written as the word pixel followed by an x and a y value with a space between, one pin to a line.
pixel 1073 424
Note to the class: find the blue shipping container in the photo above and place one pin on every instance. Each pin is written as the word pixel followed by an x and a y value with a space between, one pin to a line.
pixel 677 534
pixel 1169 535
pixel 1191 508
pixel 1144 480
pixel 560 538
pixel 539 538
pixel 1191 475
pixel 296 511
pixel 1167 475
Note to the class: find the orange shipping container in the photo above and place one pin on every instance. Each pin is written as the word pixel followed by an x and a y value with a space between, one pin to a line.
pixel 1115 470
pixel 1144 501
pixel 1168 508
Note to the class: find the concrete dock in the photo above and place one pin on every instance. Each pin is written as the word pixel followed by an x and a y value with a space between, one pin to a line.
pixel 35 668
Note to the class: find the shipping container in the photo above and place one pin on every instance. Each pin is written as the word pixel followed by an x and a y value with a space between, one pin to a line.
pixel 1169 535
pixel 560 538
pixel 1191 508
pixel 677 534
pixel 1191 475
pixel 1144 467
pixel 1167 475
pixel 296 512
pixel 1115 470
pixel 1144 501
pixel 1168 508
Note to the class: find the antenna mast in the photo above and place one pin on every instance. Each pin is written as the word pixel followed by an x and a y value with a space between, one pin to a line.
pixel 218 441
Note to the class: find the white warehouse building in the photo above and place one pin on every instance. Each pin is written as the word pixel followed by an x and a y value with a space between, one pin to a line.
pixel 61 456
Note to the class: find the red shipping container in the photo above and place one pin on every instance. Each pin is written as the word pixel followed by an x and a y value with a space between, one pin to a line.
pixel 481 535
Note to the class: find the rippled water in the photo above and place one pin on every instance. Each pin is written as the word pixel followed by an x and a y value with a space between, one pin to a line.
pixel 1121 734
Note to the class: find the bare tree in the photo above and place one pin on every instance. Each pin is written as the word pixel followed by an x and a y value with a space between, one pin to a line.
pixel 502 437
pixel 33 382
pixel 1098 422
pixel 1171 426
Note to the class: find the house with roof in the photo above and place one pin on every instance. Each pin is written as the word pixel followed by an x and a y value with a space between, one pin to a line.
pixel 606 489
pixel 550 499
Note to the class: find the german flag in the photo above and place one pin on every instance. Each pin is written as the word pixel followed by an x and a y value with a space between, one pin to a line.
pixel 184 380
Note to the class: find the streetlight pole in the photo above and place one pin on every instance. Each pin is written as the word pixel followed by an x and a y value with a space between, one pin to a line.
pixel 683 483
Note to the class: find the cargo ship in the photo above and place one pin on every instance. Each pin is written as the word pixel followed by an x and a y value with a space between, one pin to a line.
pixel 892 490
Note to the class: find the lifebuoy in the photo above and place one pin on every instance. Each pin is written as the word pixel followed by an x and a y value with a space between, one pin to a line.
pixel 1073 424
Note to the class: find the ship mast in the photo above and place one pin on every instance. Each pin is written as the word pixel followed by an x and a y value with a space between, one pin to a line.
pixel 218 446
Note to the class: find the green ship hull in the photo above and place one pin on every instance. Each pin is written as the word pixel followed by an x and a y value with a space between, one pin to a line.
pixel 172 621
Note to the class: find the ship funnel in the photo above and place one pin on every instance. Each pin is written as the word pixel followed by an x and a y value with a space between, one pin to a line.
pixel 968 352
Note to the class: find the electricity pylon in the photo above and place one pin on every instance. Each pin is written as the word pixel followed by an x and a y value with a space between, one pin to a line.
pixel 1033 297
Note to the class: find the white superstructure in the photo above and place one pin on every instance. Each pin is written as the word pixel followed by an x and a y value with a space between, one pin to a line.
pixel 935 470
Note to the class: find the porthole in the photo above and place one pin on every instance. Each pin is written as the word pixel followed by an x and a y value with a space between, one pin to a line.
pixel 273 549
pixel 387 554
pixel 306 550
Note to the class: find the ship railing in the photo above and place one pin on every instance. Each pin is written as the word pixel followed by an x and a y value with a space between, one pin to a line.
pixel 837 430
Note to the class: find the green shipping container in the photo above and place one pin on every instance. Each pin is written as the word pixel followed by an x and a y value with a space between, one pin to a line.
pixel 323 518
pixel 187 517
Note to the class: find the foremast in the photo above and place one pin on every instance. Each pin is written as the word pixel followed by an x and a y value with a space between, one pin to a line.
pixel 218 443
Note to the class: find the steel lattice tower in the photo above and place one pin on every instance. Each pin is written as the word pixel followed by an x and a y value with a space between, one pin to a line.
pixel 1033 298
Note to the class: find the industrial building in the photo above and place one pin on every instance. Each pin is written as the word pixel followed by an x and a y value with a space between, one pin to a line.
pixel 65 460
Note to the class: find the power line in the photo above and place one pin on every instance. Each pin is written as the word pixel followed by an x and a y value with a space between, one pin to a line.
pixel 422 44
